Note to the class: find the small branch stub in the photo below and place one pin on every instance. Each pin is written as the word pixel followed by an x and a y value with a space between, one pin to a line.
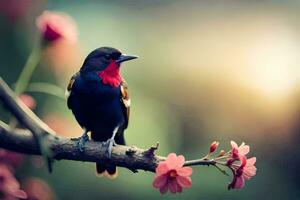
pixel 130 151
pixel 151 151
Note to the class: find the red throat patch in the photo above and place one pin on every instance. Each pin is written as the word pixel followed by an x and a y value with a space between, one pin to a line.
pixel 111 74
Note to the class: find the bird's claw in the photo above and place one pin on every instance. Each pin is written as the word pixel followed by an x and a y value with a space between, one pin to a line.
pixel 81 142
pixel 108 146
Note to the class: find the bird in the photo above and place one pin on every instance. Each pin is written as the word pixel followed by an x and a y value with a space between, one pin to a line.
pixel 98 97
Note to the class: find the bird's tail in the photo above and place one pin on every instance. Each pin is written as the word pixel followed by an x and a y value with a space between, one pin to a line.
pixel 106 170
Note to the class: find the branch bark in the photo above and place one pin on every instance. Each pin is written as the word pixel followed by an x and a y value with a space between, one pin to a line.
pixel 23 141
pixel 133 158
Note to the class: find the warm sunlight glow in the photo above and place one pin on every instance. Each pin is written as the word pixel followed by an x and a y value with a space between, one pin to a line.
pixel 272 60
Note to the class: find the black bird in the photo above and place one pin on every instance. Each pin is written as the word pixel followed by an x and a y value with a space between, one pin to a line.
pixel 98 98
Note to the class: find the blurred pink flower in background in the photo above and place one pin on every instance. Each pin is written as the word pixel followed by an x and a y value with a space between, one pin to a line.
pixel 62 55
pixel 14 9
pixel 62 125
pixel 37 189
pixel 171 175
pixel 10 158
pixel 244 171
pixel 56 25
pixel 9 186
pixel 28 100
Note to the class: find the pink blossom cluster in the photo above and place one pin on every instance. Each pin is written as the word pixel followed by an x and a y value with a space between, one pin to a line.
pixel 9 161
pixel 171 174
pixel 9 185
pixel 244 169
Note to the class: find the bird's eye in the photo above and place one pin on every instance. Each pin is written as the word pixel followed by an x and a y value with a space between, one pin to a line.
pixel 115 55
pixel 107 57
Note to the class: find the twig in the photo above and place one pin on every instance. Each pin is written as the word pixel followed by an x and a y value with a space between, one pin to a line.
pixel 221 170
pixel 200 162
pixel 151 150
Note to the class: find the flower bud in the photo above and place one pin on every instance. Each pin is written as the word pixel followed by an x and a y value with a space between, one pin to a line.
pixel 222 153
pixel 213 146
pixel 55 25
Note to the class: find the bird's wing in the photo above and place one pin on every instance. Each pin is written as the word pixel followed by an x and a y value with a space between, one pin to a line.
pixel 125 101
pixel 69 88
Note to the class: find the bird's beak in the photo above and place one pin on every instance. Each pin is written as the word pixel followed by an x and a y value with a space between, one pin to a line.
pixel 125 57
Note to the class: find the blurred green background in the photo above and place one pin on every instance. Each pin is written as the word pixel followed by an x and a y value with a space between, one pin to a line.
pixel 208 70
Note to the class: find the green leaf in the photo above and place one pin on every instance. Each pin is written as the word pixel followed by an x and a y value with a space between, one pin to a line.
pixel 47 88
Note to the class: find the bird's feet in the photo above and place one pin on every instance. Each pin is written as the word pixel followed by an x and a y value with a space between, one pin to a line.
pixel 108 146
pixel 81 142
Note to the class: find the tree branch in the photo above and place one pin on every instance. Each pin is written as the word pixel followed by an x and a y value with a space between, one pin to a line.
pixel 23 141
pixel 23 114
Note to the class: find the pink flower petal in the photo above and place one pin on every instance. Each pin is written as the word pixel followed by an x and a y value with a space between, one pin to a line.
pixel 160 181
pixel 239 182
pixel 180 161
pixel 20 194
pixel 243 150
pixel 172 161
pixel 249 172
pixel 11 184
pixel 250 169
pixel 185 171
pixel 179 188
pixel 162 168
pixel 184 182
pixel 164 189
pixel 233 144
pixel 243 160
pixel 251 161
pixel 172 185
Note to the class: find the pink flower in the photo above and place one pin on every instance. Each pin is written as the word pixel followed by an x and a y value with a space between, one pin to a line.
pixel 55 25
pixel 14 9
pixel 28 100
pixel 9 186
pixel 244 171
pixel 237 151
pixel 13 159
pixel 38 189
pixel 63 51
pixel 213 146
pixel 171 175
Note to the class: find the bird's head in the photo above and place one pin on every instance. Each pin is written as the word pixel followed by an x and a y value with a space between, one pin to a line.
pixel 106 61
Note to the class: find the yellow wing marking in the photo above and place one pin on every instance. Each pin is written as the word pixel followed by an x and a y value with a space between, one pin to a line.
pixel 125 95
